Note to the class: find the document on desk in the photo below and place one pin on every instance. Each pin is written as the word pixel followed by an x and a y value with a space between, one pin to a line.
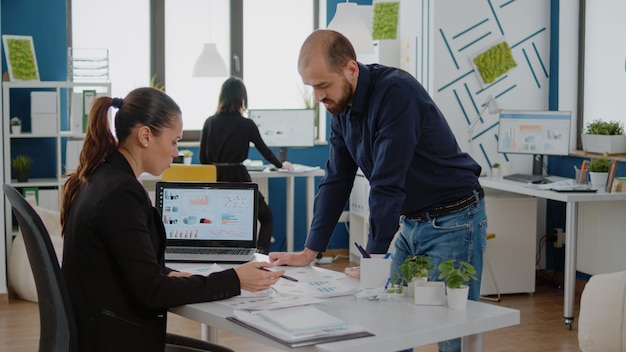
pixel 314 282
pixel 321 327
pixel 297 168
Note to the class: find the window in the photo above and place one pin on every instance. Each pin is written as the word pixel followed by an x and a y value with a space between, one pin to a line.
pixel 272 35
pixel 121 26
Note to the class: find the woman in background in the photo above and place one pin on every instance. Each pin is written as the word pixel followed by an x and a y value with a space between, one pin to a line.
pixel 114 238
pixel 225 142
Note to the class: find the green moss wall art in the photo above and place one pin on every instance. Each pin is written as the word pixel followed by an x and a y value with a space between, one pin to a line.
pixel 494 62
pixel 385 20
pixel 21 60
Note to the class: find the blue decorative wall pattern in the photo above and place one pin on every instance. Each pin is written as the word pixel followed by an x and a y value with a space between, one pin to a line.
pixel 454 32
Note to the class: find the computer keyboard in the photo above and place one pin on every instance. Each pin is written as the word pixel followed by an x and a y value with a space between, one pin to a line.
pixel 527 178
pixel 206 250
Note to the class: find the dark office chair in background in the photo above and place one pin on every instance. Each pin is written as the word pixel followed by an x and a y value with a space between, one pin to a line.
pixel 56 318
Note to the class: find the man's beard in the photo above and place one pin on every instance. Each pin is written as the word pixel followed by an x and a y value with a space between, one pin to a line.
pixel 340 105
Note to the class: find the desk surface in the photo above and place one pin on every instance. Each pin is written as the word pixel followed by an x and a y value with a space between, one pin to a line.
pixel 396 323
pixel 522 188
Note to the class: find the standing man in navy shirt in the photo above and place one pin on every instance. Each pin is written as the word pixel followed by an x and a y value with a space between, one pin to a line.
pixel 385 123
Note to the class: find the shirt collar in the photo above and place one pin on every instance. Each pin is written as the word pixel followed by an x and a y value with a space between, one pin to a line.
pixel 359 102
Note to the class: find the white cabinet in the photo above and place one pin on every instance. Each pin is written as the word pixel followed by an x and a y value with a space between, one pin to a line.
pixel 45 141
pixel 359 215
pixel 512 253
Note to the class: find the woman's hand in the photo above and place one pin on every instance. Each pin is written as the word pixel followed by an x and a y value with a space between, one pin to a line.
pixel 287 166
pixel 178 274
pixel 253 278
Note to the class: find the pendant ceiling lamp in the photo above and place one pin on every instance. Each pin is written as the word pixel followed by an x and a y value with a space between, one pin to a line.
pixel 209 63
pixel 349 22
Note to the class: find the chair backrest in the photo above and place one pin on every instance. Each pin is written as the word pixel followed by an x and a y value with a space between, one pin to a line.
pixel 198 173
pixel 57 325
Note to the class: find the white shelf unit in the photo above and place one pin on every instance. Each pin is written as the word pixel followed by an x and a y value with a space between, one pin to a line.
pixel 58 138
pixel 359 215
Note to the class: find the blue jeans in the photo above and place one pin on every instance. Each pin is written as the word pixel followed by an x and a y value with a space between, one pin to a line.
pixel 460 236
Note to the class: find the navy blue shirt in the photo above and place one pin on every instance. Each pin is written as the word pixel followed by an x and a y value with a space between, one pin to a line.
pixel 400 140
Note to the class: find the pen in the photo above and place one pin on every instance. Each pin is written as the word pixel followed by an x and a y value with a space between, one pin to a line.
pixel 364 253
pixel 283 276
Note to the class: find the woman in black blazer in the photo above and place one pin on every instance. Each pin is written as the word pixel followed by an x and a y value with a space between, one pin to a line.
pixel 114 239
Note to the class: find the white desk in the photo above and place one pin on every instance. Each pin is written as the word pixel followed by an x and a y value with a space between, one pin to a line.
pixel 260 176
pixel 397 323
pixel 571 226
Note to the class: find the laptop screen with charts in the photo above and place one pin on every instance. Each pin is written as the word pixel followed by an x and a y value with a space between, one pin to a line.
pixel 208 222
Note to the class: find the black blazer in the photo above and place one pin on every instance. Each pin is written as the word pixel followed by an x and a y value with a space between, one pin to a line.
pixel 114 267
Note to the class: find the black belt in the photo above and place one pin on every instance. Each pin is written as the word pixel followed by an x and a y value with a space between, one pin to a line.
pixel 451 207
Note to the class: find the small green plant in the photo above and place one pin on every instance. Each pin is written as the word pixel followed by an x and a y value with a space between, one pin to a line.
pixel 454 276
pixel 606 128
pixel 416 266
pixel 599 165
pixel 495 165
pixel 15 121
pixel 21 163
pixel 186 153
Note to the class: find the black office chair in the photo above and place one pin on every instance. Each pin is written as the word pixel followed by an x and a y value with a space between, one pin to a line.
pixel 56 318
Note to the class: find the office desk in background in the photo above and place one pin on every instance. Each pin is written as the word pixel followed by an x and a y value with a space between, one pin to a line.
pixel 571 225
pixel 261 178
pixel 396 323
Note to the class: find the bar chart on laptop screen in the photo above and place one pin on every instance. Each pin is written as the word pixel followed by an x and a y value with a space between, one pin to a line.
pixel 208 214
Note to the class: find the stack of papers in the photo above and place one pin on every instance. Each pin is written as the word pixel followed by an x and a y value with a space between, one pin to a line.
pixel 298 326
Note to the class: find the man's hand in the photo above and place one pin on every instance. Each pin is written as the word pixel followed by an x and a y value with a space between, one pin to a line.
pixel 303 258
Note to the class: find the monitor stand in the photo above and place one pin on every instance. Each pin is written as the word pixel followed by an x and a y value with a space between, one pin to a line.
pixel 537 175
pixel 282 154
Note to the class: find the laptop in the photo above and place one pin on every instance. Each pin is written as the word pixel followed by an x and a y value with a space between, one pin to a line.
pixel 208 222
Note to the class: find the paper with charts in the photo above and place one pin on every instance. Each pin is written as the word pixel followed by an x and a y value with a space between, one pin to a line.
pixel 315 282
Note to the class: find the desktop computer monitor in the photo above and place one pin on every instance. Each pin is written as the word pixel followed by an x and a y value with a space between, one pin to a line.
pixel 285 128
pixel 536 133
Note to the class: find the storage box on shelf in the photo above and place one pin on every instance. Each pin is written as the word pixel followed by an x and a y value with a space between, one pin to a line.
pixel 47 106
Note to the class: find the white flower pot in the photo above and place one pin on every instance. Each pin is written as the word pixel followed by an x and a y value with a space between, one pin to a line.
pixel 187 160
pixel 457 297
pixel 411 286
pixel 429 293
pixel 16 129
pixel 598 179
pixel 604 144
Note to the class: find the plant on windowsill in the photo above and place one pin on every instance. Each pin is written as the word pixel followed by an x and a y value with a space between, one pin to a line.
pixel 604 137
pixel 456 278
pixel 21 164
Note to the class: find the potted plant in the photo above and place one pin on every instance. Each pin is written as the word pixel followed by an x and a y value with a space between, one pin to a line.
pixel 16 125
pixel 415 267
pixel 495 170
pixel 599 171
pixel 187 154
pixel 21 164
pixel 605 137
pixel 455 278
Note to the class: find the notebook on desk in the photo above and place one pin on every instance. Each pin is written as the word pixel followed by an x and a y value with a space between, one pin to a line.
pixel 208 222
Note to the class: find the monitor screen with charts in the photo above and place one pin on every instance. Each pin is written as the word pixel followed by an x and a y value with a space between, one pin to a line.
pixel 203 220
pixel 536 133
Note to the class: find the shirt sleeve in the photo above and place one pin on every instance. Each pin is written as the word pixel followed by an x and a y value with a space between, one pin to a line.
pixel 255 136
pixel 130 241
pixel 334 191
pixel 396 122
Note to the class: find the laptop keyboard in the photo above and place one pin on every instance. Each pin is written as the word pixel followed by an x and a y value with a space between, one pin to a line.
pixel 210 251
